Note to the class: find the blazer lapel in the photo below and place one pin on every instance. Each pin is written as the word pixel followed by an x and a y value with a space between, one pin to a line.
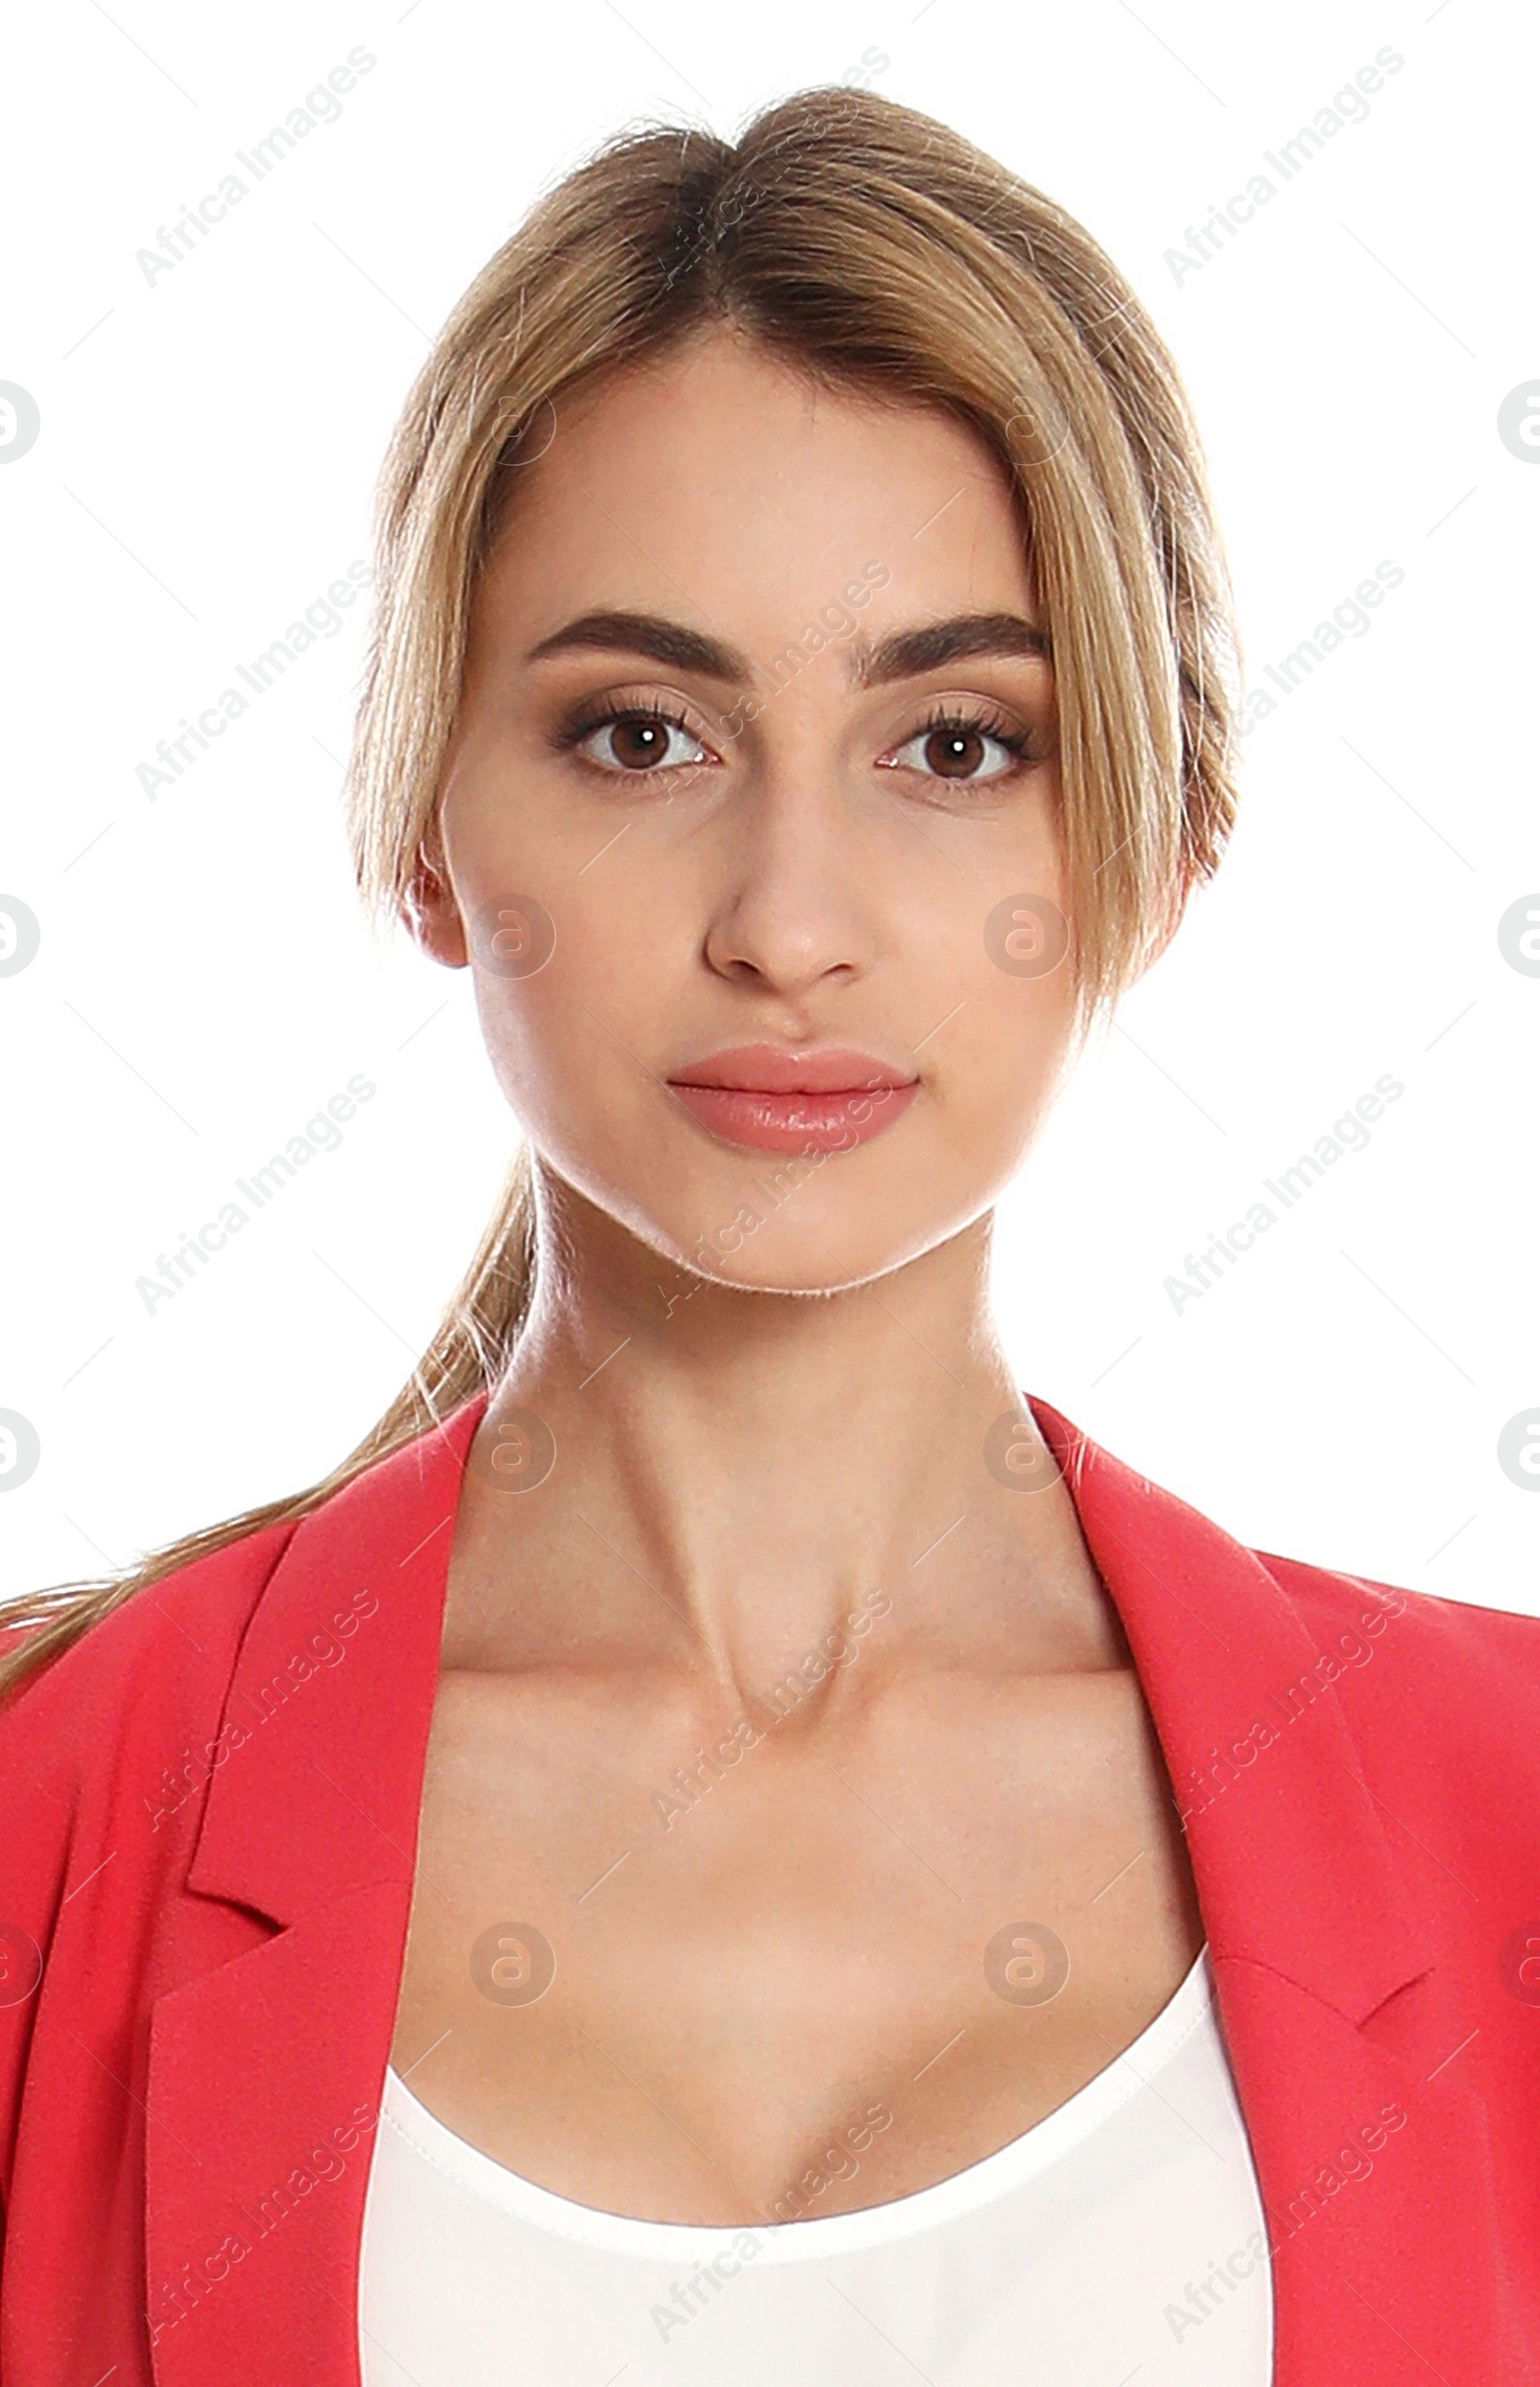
pixel 265 2074
pixel 1371 2156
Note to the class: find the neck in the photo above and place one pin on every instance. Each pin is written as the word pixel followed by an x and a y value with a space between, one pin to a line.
pixel 738 1472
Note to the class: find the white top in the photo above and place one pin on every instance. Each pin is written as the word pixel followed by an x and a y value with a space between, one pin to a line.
pixel 1122 2236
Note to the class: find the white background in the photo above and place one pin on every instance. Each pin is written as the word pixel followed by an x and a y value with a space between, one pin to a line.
pixel 204 469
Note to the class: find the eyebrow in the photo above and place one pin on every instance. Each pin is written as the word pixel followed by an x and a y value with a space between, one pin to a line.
pixel 903 654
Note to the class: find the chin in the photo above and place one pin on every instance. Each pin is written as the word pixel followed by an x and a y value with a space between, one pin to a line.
pixel 826 1248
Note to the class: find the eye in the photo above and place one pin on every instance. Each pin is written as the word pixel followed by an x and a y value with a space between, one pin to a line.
pixel 635 740
pixel 955 745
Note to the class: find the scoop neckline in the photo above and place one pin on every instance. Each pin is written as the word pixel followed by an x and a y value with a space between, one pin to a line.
pixel 1021 2159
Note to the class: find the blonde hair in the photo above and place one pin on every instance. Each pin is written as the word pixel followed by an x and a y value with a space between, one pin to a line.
pixel 873 250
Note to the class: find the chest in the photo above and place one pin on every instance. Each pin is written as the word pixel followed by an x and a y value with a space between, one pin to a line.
pixel 715 1968
pixel 1065 2257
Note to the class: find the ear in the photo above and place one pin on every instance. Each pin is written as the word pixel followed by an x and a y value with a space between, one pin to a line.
pixel 429 909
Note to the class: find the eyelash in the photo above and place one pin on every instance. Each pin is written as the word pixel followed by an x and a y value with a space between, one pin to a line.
pixel 983 721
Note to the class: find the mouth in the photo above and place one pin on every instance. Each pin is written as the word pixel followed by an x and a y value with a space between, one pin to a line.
pixel 774 1101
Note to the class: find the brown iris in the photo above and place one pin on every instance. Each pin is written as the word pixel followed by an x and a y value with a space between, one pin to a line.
pixel 648 741
pixel 954 754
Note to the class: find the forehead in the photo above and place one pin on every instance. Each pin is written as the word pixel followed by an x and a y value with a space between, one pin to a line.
pixel 718 483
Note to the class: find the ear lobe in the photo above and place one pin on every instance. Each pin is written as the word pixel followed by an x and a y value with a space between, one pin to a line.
pixel 432 915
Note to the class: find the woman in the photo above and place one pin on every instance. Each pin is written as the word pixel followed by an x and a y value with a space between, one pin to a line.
pixel 723 1839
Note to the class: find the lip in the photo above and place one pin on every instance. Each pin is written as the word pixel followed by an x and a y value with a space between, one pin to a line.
pixel 770 1069
pixel 829 1099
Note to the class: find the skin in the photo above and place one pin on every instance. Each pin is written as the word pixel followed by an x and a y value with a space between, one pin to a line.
pixel 751 1439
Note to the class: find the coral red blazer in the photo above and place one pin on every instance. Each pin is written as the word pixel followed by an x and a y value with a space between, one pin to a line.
pixel 210 1812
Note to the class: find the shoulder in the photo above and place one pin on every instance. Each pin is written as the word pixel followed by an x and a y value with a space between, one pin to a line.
pixel 97 1731
pixel 1410 1664
pixel 1459 1634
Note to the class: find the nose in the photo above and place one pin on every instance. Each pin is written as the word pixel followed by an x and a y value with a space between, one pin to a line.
pixel 798 894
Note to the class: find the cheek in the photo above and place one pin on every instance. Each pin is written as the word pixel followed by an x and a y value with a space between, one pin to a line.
pixel 1004 1067
pixel 1002 1056
pixel 516 1028
pixel 565 1043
